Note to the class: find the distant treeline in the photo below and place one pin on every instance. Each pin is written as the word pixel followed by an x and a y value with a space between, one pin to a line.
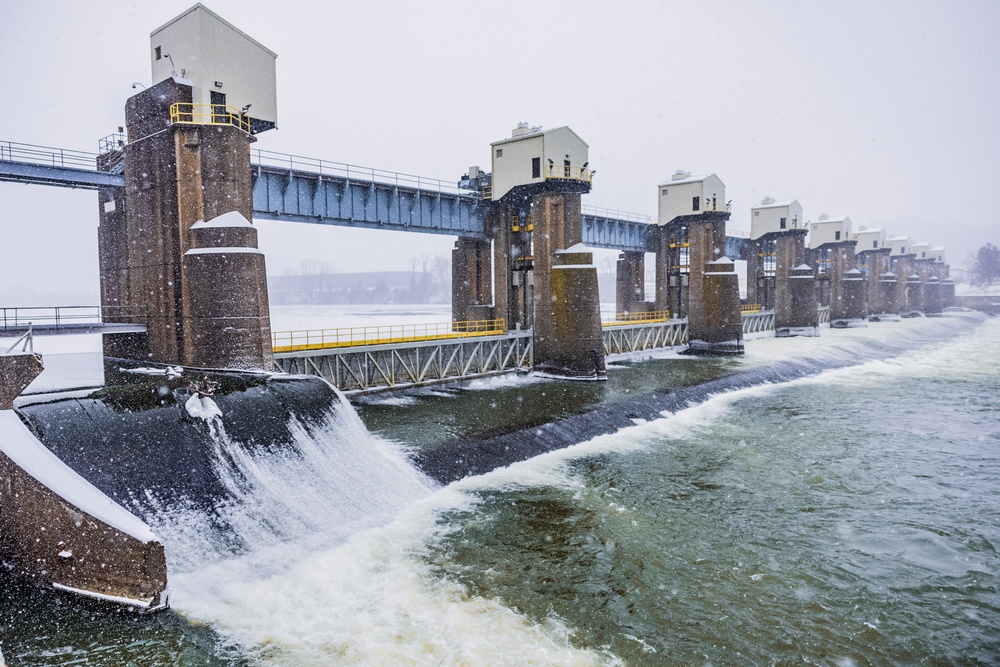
pixel 425 282
pixel 317 283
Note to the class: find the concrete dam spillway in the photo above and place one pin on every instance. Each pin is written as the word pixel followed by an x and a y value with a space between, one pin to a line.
pixel 206 479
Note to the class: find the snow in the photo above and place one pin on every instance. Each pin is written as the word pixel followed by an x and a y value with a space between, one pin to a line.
pixel 575 266
pixel 579 247
pixel 773 204
pixel 202 407
pixel 132 602
pixel 721 260
pixel 223 251
pixel 24 449
pixel 686 179
pixel 169 371
pixel 231 219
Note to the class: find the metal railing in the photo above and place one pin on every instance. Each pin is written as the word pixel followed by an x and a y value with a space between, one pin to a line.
pixel 364 369
pixel 319 339
pixel 638 318
pixel 710 207
pixel 46 155
pixel 113 142
pixel 639 337
pixel 68 317
pixel 28 340
pixel 758 322
pixel 615 214
pixel 352 171
pixel 748 308
pixel 568 173
pixel 196 113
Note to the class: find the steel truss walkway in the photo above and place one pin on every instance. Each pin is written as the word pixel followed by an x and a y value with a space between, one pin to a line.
pixel 369 368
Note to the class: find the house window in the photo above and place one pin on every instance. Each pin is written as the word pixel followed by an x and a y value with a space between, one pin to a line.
pixel 836 236
pixel 757 213
pixel 665 192
pixel 159 52
pixel 784 223
pixel 695 203
pixel 566 168
pixel 499 152
pixel 875 244
pixel 536 167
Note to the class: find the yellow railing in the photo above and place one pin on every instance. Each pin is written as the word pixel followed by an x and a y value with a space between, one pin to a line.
pixel 208 114
pixel 570 173
pixel 749 308
pixel 638 318
pixel 318 339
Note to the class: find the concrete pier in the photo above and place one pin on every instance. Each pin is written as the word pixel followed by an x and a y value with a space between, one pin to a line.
pixel 933 299
pixel 881 282
pixel 471 280
pixel 567 310
pixel 227 292
pixel 796 311
pixel 904 266
pixel 177 174
pixel 673 262
pixel 716 325
pixel 630 283
pixel 914 297
pixel 570 345
pixel 850 308
pixel 789 256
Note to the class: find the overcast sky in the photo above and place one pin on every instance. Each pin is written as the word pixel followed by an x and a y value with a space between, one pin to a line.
pixel 883 111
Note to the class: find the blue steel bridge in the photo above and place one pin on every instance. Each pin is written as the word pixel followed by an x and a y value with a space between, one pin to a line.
pixel 299 189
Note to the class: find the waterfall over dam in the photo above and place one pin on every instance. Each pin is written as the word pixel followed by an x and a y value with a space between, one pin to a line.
pixel 287 458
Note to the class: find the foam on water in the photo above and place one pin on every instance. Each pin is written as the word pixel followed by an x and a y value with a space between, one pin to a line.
pixel 336 568
pixel 322 560
pixel 375 601
pixel 336 479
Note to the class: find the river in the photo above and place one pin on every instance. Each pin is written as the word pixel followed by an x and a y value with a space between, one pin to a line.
pixel 842 515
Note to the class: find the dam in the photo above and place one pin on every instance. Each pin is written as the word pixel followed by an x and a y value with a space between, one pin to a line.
pixel 477 481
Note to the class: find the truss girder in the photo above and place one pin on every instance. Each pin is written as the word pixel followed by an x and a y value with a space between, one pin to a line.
pixel 758 322
pixel 622 339
pixel 380 367
pixel 298 196
pixel 616 234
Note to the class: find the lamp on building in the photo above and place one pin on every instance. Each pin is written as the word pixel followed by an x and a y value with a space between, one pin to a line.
pixel 173 69
pixel 138 84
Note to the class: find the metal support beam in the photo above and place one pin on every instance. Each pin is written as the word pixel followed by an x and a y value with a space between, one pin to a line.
pixel 302 196
pixel 370 368
pixel 67 177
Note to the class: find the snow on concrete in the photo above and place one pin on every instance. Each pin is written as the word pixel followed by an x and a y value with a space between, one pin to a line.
pixel 224 251
pixel 24 449
pixel 231 219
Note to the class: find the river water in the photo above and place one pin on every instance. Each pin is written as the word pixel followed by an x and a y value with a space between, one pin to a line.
pixel 847 515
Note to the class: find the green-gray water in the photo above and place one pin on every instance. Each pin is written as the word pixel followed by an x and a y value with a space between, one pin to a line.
pixel 845 518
